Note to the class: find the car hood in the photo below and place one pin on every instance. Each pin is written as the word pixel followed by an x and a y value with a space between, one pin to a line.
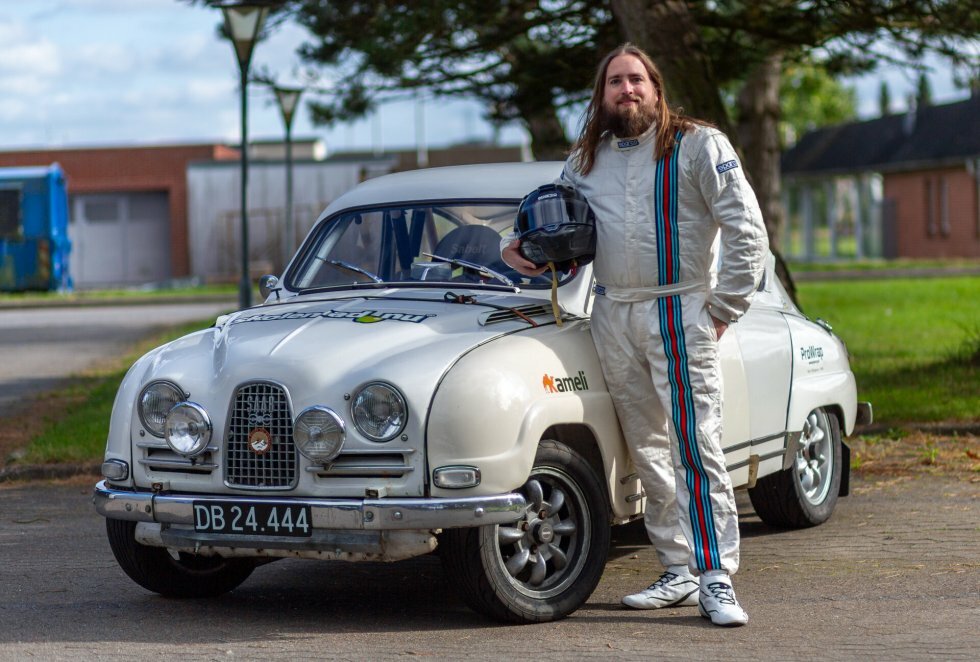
pixel 329 344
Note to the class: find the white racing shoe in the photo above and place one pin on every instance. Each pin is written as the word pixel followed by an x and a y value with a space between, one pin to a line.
pixel 676 588
pixel 717 601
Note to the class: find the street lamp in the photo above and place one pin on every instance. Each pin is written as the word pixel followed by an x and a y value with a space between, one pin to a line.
pixel 243 24
pixel 288 98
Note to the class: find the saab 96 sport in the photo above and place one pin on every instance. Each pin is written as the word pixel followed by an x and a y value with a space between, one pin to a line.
pixel 402 390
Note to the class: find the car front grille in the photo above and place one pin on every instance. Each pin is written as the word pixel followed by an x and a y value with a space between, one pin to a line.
pixel 260 410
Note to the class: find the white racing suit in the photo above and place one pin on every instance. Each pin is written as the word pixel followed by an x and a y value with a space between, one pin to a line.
pixel 658 220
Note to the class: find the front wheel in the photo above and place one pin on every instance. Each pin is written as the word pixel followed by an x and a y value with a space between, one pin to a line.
pixel 546 565
pixel 806 493
pixel 176 575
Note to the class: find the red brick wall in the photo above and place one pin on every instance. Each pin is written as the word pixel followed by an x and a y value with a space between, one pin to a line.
pixel 132 169
pixel 918 200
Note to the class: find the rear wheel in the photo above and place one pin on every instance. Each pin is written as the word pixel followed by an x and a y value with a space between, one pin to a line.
pixel 176 575
pixel 546 565
pixel 806 493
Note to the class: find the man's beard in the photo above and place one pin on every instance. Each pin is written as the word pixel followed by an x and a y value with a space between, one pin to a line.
pixel 627 121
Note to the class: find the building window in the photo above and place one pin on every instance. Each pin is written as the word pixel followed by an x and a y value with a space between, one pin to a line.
pixel 943 207
pixel 101 211
pixel 930 209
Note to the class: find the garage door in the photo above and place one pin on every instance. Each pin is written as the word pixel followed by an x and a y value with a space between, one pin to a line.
pixel 120 239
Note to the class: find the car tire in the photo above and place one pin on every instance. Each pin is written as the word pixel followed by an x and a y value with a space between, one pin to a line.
pixel 547 564
pixel 186 576
pixel 805 494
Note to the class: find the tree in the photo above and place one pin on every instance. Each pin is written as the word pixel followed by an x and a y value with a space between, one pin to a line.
pixel 753 41
pixel 526 60
pixel 923 93
pixel 811 98
pixel 529 60
pixel 884 100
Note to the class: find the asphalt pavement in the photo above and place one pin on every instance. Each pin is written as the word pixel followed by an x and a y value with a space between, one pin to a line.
pixel 894 575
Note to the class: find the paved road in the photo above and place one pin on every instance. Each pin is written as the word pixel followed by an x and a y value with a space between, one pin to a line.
pixel 894 575
pixel 41 347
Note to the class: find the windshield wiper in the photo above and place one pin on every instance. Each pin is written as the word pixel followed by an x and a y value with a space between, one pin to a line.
pixel 478 268
pixel 350 267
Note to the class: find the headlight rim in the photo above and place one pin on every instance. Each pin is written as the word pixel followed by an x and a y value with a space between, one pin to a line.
pixel 341 424
pixel 401 399
pixel 182 397
pixel 208 429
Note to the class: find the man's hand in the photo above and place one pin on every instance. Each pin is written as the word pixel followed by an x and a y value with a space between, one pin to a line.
pixel 719 326
pixel 512 256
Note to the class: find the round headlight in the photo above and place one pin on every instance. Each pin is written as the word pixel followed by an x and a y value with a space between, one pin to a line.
pixel 156 400
pixel 379 412
pixel 188 429
pixel 319 434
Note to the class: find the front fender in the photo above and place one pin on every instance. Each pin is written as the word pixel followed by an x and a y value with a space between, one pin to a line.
pixel 118 446
pixel 497 402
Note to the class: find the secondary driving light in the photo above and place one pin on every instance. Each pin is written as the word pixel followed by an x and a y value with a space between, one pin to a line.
pixel 188 429
pixel 156 399
pixel 379 411
pixel 115 470
pixel 456 478
pixel 319 434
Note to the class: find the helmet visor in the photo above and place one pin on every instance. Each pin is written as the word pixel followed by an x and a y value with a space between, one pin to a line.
pixel 552 210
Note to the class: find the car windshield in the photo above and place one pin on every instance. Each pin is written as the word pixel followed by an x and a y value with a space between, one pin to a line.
pixel 416 244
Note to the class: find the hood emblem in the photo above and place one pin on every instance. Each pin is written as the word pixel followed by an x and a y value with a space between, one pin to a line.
pixel 259 441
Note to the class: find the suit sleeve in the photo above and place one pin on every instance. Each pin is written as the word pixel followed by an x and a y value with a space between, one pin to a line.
pixel 744 241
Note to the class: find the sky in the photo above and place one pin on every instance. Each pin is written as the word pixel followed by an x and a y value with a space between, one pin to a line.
pixel 78 73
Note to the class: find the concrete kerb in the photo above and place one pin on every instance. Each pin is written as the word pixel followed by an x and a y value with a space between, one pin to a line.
pixel 35 472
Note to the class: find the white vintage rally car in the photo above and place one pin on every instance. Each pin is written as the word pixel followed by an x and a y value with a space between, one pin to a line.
pixel 402 389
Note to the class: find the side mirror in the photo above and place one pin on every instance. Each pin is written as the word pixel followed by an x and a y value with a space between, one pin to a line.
pixel 269 284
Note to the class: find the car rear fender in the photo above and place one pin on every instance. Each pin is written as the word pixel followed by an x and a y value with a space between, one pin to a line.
pixel 829 390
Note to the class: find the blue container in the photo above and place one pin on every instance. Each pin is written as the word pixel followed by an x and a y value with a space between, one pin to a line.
pixel 34 245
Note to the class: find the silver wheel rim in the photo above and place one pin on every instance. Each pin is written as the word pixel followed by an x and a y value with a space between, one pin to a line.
pixel 815 459
pixel 543 553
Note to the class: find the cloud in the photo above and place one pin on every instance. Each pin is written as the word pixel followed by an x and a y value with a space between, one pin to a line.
pixel 21 51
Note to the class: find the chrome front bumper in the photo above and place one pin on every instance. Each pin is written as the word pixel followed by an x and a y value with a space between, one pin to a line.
pixel 342 514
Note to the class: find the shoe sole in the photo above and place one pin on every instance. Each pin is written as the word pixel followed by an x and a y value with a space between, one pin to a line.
pixel 685 601
pixel 733 624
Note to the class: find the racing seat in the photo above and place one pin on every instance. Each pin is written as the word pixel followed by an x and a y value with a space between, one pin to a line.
pixel 473 243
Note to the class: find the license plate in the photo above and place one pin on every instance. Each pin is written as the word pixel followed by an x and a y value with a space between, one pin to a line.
pixel 252 519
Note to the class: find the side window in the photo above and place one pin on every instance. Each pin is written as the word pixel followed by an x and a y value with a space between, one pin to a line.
pixel 10 213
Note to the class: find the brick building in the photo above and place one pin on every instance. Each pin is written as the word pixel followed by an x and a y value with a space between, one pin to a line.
pixel 150 214
pixel 898 186
pixel 132 204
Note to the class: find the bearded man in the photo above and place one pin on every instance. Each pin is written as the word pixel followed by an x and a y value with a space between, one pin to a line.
pixel 663 187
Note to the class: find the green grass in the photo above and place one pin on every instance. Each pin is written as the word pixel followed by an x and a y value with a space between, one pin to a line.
pixel 77 423
pixel 869 264
pixel 914 343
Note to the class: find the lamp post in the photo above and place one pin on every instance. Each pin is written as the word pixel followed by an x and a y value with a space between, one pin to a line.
pixel 243 23
pixel 288 98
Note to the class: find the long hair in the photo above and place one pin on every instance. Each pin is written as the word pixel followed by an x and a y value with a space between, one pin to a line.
pixel 668 122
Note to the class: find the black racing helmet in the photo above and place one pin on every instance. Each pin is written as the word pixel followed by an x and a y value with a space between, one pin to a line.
pixel 556 224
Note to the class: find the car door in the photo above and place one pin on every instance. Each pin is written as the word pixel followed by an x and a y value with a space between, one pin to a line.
pixel 765 345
